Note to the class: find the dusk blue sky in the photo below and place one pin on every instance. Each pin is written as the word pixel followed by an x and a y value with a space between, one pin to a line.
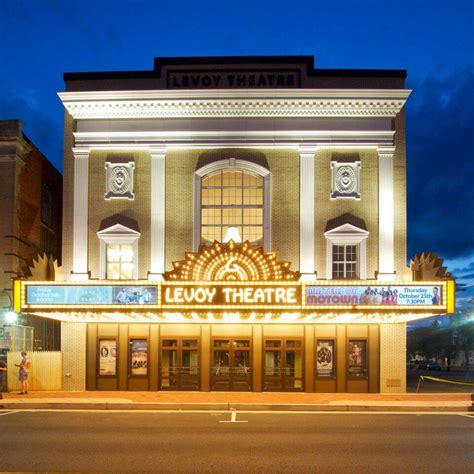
pixel 433 40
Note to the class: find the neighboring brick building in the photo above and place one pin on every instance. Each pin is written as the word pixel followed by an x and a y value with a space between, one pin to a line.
pixel 161 166
pixel 30 215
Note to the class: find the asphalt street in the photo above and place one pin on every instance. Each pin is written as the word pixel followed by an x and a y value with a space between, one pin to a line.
pixel 255 442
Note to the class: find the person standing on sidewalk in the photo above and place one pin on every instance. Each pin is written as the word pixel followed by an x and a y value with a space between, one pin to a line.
pixel 3 376
pixel 24 367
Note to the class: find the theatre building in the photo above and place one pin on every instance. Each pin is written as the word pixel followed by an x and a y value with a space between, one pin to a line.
pixel 235 224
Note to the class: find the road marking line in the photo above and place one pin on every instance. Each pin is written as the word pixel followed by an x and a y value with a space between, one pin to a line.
pixel 233 418
pixel 8 413
pixel 466 415
pixel 256 412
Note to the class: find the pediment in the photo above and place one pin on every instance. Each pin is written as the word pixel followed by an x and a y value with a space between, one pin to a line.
pixel 118 230
pixel 347 229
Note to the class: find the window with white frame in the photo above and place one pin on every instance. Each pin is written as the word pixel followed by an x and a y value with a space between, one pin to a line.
pixel 345 262
pixel 232 198
pixel 118 253
pixel 346 251
pixel 119 265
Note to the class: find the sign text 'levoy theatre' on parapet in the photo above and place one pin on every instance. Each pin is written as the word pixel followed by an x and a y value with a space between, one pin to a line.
pixel 234 296
pixel 233 80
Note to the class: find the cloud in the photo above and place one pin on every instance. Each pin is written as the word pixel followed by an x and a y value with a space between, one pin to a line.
pixel 440 160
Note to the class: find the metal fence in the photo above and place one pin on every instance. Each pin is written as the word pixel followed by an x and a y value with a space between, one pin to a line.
pixel 45 372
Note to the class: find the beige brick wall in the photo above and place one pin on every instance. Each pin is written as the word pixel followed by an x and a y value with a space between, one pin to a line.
pixel 137 209
pixel 393 344
pixel 284 165
pixel 180 168
pixel 366 208
pixel 73 349
pixel 285 168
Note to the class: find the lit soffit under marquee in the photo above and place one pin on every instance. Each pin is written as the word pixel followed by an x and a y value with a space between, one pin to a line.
pixel 231 317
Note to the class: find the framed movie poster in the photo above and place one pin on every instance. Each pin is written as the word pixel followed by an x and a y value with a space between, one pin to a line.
pixel 138 357
pixel 357 358
pixel 325 364
pixel 107 357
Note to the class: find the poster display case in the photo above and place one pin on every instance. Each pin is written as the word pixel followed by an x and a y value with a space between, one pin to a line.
pixel 107 355
pixel 325 358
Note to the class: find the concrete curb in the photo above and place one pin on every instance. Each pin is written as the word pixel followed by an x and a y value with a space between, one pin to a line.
pixel 132 406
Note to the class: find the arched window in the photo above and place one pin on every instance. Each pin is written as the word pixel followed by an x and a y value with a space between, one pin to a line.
pixel 233 194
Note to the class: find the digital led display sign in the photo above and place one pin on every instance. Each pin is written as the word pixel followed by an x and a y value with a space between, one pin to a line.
pixel 90 294
pixel 374 295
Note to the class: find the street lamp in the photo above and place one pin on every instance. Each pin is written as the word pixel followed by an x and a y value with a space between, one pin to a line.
pixel 11 317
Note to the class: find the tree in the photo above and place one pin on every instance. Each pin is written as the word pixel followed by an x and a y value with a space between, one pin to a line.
pixel 431 342
pixel 465 339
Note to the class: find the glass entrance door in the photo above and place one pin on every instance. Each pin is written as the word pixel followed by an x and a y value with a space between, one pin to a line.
pixel 283 365
pixel 179 364
pixel 231 364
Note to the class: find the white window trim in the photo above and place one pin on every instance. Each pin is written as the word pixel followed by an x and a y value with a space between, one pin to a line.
pixel 233 163
pixel 119 235
pixel 347 234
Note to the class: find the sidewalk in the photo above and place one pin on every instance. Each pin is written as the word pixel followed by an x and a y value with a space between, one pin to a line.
pixel 253 401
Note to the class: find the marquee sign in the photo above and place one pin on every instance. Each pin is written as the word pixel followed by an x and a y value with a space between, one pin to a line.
pixel 435 297
pixel 235 277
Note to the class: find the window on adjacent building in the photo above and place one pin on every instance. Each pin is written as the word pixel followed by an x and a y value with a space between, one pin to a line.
pixel 345 262
pixel 119 261
pixel 232 198
pixel 46 207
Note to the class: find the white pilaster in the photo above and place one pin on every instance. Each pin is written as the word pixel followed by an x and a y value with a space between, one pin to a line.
pixel 157 242
pixel 80 219
pixel 307 242
pixel 386 270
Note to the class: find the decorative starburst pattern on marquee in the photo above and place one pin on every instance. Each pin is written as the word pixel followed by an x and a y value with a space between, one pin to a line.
pixel 231 262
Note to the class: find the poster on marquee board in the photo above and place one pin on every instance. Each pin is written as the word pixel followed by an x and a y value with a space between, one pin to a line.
pixel 374 295
pixel 90 294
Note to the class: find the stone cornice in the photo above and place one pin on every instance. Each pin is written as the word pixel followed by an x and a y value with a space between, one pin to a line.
pixel 260 138
pixel 235 103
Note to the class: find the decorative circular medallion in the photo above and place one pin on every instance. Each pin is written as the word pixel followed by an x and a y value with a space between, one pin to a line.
pixel 346 180
pixel 119 182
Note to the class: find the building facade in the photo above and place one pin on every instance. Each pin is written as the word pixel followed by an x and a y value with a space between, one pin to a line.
pixel 30 219
pixel 235 224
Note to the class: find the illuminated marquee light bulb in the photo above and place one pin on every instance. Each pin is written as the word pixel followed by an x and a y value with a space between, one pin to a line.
pixel 231 261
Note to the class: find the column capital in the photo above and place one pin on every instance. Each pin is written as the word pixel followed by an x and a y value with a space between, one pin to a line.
pixel 81 153
pixel 158 151
pixel 307 149
pixel 386 150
